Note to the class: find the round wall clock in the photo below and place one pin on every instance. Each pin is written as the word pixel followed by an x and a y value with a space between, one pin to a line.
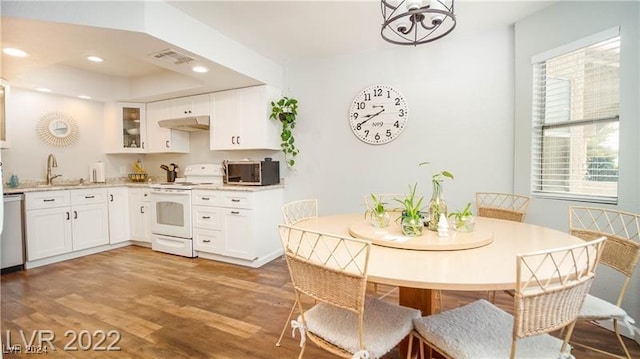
pixel 378 114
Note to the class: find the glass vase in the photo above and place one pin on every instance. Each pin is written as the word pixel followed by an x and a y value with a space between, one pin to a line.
pixel 412 226
pixel 437 205
pixel 465 224
pixel 380 220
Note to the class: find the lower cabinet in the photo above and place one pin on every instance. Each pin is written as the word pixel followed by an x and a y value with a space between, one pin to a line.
pixel 118 202
pixel 59 222
pixel 237 226
pixel 139 214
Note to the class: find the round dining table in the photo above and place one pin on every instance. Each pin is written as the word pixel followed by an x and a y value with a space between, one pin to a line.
pixel 437 263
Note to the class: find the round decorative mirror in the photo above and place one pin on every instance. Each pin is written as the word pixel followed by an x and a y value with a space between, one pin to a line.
pixel 58 129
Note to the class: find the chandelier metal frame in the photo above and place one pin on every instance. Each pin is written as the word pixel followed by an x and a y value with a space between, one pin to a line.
pixel 422 27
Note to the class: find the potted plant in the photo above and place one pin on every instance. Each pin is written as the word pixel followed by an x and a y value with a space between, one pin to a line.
pixel 378 212
pixel 463 220
pixel 412 223
pixel 285 111
pixel 437 205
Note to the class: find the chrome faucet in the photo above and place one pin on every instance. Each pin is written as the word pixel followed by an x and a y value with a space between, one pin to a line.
pixel 51 162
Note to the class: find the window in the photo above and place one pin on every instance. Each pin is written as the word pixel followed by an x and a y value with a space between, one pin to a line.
pixel 575 120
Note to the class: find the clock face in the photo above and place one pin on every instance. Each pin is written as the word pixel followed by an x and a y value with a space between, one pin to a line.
pixel 378 114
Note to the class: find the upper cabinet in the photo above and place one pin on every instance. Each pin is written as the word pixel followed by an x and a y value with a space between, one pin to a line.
pixel 189 106
pixel 240 119
pixel 4 98
pixel 164 140
pixel 125 128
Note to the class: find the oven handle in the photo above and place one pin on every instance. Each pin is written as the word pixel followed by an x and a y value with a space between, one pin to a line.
pixel 179 192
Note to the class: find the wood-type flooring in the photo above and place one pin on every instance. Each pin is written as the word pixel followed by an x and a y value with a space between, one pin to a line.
pixel 165 306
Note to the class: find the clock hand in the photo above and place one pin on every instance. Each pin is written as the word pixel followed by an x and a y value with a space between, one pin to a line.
pixel 370 116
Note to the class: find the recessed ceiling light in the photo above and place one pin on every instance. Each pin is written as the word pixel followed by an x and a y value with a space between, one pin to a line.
pixel 14 52
pixel 200 69
pixel 84 97
pixel 43 89
pixel 94 58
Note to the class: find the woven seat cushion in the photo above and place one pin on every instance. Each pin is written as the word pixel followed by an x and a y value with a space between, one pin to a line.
pixel 482 330
pixel 596 308
pixel 385 325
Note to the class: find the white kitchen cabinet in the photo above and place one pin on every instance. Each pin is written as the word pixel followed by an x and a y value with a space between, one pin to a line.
pixel 237 226
pixel 118 203
pixel 198 105
pixel 125 128
pixel 5 90
pixel 59 222
pixel 164 140
pixel 240 119
pixel 139 214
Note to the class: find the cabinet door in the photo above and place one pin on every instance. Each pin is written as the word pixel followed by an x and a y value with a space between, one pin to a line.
pixel 4 106
pixel 48 232
pixel 226 124
pixel 260 132
pixel 190 106
pixel 90 226
pixel 125 128
pixel 164 140
pixel 208 240
pixel 118 203
pixel 238 234
pixel 139 215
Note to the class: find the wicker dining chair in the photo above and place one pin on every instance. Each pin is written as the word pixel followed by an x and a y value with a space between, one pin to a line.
pixel 512 207
pixel 621 253
pixel 294 212
pixel 551 286
pixel 332 270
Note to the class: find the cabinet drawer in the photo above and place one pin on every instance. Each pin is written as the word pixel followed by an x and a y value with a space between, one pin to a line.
pixel 47 199
pixel 206 217
pixel 206 198
pixel 88 196
pixel 208 240
pixel 237 200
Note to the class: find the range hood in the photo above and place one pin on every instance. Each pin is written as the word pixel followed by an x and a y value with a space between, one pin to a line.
pixel 192 123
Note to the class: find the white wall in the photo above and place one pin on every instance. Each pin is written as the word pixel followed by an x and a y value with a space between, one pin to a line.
pixel 460 97
pixel 554 26
pixel 27 156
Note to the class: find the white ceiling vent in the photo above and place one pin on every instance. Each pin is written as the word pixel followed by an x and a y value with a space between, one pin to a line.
pixel 172 56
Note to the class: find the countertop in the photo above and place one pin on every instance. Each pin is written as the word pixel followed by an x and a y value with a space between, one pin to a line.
pixel 73 186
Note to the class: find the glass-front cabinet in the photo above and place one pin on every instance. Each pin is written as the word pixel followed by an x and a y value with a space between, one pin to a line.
pixel 4 98
pixel 125 128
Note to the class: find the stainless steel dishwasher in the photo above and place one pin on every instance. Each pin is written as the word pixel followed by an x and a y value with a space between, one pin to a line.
pixel 12 239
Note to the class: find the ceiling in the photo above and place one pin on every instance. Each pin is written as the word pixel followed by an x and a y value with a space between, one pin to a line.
pixel 283 31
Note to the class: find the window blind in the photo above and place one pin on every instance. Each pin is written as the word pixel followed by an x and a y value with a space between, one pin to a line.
pixel 576 98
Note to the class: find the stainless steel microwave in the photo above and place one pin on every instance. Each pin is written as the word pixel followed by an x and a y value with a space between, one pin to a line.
pixel 252 173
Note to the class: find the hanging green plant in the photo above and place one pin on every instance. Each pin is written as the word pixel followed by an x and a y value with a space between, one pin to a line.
pixel 285 111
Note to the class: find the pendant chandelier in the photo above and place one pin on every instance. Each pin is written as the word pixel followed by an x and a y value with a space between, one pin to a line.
pixel 414 22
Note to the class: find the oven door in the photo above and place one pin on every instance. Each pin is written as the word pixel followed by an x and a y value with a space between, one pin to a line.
pixel 171 212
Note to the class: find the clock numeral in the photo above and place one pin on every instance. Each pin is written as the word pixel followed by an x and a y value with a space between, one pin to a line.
pixel 377 92
pixel 366 133
pixel 359 127
pixel 361 105
pixel 367 97
pixel 401 112
pixel 396 124
pixel 397 101
pixel 355 115
pixel 388 133
pixel 377 136
pixel 388 94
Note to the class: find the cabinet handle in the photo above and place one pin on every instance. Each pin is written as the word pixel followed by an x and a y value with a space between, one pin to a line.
pixel 49 200
pixel 205 198
pixel 75 214
pixel 235 212
pixel 89 197
pixel 142 209
pixel 167 144
pixel 146 195
pixel 238 140
pixel 143 145
pixel 67 215
pixel 235 200
pixel 111 197
pixel 206 217
pixel 206 241
pixel 233 140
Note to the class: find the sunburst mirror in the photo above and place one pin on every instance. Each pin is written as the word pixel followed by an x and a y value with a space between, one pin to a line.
pixel 58 129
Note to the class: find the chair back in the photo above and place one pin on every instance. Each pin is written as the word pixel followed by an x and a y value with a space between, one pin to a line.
pixel 622 229
pixel 551 287
pixel 331 269
pixel 512 207
pixel 298 210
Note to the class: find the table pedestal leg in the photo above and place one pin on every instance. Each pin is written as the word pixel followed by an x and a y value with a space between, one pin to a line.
pixel 426 301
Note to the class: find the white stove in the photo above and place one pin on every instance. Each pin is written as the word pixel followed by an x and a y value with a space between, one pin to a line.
pixel 171 226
